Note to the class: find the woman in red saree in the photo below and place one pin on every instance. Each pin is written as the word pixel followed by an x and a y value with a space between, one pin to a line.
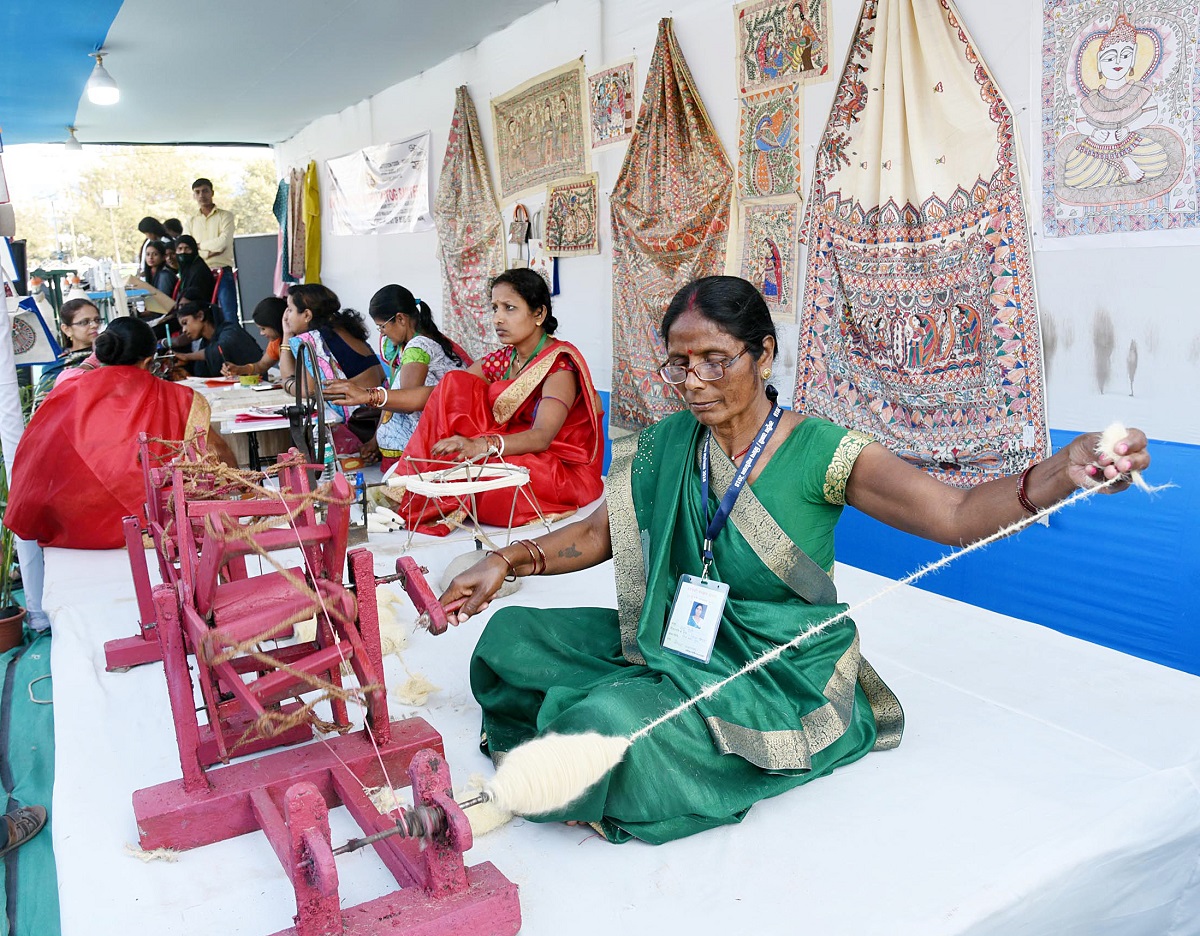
pixel 76 471
pixel 532 402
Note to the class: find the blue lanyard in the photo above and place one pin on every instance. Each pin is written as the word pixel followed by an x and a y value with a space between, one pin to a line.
pixel 715 524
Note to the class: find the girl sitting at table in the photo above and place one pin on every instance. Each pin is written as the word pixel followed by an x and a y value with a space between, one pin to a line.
pixel 76 472
pixel 530 403
pixel 337 350
pixel 268 316
pixel 419 355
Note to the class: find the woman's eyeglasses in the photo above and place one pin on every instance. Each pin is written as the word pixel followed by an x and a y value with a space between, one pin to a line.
pixel 705 370
pixel 84 323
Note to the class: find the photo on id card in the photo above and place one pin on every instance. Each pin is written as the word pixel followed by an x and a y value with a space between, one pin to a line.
pixel 695 617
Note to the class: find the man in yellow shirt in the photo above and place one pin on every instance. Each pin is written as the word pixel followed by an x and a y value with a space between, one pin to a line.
pixel 213 229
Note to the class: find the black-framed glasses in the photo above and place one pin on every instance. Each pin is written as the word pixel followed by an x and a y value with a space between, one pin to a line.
pixel 84 323
pixel 705 370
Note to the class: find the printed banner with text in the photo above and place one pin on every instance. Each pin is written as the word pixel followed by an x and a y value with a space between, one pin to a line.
pixel 381 189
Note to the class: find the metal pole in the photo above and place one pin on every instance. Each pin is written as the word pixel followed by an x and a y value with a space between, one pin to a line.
pixel 116 244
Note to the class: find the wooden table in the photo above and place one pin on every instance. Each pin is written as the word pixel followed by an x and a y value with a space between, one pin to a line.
pixel 248 440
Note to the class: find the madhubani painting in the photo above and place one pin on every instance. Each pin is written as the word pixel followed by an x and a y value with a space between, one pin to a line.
pixel 670 225
pixel 919 321
pixel 769 253
pixel 612 96
pixel 1120 126
pixel 781 41
pixel 573 217
pixel 769 157
pixel 470 232
pixel 541 131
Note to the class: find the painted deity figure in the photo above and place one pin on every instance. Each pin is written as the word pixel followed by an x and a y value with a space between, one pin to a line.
pixel 1113 151
pixel 771 276
pixel 801 41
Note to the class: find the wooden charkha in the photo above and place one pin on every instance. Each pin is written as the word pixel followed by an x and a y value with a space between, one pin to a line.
pixel 210 608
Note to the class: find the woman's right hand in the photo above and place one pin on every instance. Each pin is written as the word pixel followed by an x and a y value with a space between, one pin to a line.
pixel 473 589
pixel 237 370
pixel 346 393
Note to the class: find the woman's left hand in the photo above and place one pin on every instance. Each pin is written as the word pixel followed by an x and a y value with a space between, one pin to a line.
pixel 346 393
pixel 1086 468
pixel 461 446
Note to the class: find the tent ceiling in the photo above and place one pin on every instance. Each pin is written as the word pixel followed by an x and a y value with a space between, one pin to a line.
pixel 248 71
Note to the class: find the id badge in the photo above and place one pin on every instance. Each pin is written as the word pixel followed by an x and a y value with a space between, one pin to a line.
pixel 695 617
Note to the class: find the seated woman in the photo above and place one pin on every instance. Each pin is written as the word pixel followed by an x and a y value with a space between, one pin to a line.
pixel 194 273
pixel 423 356
pixel 268 316
pixel 337 344
pixel 532 402
pixel 218 341
pixel 76 471
pixel 79 321
pixel 762 578
pixel 156 272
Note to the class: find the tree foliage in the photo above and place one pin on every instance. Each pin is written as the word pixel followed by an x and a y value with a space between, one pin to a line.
pixel 150 180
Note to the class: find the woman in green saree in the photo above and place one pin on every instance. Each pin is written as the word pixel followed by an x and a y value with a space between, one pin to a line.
pixel 594 669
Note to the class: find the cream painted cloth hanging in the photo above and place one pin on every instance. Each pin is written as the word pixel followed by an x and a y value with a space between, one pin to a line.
pixel 919 320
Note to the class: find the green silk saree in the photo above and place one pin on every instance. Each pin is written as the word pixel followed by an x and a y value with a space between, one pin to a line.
pixel 594 669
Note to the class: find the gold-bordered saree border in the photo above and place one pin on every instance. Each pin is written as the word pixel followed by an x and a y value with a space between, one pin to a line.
pixel 199 417
pixel 788 749
pixel 513 397
pixel 629 564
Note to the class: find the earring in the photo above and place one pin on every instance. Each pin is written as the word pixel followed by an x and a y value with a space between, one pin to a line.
pixel 766 374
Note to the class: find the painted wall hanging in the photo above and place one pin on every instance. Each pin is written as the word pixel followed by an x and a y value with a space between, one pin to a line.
pixel 541 131
pixel 919 320
pixel 670 225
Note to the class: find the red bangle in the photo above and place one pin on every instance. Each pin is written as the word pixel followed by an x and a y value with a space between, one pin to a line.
pixel 512 573
pixel 533 560
pixel 534 544
pixel 1029 505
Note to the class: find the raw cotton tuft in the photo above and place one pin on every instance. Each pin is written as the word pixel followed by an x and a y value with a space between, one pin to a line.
pixel 484 817
pixel 154 854
pixel 1108 441
pixel 415 690
pixel 551 772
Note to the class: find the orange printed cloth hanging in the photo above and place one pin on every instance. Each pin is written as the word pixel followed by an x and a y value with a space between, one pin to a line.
pixel 670 225
pixel 471 245
pixel 919 320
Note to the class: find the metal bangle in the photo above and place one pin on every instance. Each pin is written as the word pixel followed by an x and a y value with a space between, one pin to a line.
pixel 512 573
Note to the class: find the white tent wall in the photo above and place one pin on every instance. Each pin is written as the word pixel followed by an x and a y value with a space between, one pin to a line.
pixel 1142 289
pixel 1073 284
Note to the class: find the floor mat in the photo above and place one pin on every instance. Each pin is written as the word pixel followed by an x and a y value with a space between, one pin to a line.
pixel 30 898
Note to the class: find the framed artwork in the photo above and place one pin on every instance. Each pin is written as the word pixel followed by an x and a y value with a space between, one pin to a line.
pixel 768 253
pixel 612 99
pixel 1120 129
pixel 541 131
pixel 781 42
pixel 769 158
pixel 573 217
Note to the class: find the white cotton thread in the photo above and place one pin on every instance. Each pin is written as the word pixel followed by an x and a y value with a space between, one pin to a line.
pixel 549 773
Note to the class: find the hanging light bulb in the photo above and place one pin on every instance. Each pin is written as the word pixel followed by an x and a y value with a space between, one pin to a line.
pixel 101 88
pixel 72 145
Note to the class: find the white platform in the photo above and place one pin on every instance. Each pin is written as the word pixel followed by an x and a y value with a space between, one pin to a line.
pixel 1044 786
